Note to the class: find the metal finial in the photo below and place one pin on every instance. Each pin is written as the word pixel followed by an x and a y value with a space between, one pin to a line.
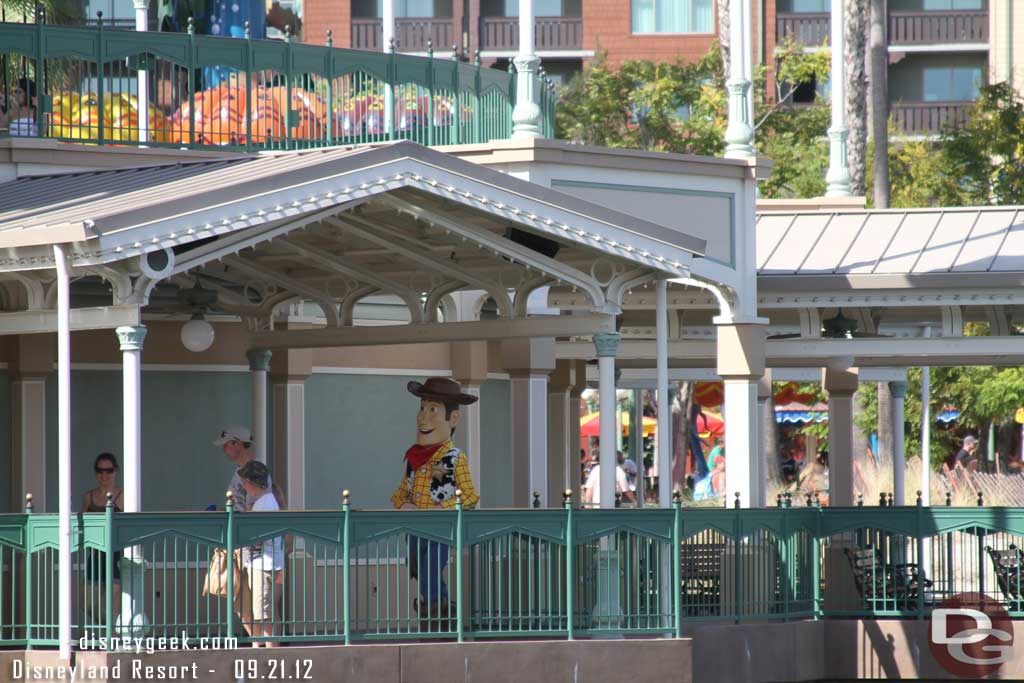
pixel 891 499
pixel 430 48
pixel 536 499
pixel 391 44
pixel 808 499
pixel 28 502
pixel 817 499
pixel 248 30
pixel 618 499
pixel 191 28
pixel 230 498
pixel 110 499
pixel 677 496
pixel 330 38
pixel 458 497
pixel 860 500
pixel 345 497
pixel 511 67
pixel 99 18
pixel 881 499
pixel 476 57
pixel 567 497
pixel 789 499
pixel 778 500
pixel 736 503
pixel 920 500
pixel 981 499
pixel 949 499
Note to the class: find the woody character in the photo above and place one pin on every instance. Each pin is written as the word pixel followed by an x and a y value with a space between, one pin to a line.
pixel 434 470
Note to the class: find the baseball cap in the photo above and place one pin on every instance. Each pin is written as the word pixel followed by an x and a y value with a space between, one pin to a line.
pixel 255 472
pixel 243 434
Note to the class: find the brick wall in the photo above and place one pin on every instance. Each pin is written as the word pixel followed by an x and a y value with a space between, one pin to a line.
pixel 320 15
pixel 606 26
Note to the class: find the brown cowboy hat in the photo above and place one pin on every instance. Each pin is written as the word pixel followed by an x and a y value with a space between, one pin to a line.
pixel 441 389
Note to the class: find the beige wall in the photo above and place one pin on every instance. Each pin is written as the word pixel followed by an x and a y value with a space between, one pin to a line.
pixel 998 41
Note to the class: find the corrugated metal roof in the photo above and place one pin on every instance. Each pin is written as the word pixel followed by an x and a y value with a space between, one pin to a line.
pixel 891 242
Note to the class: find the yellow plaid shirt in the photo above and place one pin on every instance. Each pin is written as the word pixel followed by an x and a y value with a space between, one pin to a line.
pixel 436 481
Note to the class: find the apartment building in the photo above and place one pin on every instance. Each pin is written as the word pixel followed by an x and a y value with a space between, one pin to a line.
pixel 940 52
pixel 568 32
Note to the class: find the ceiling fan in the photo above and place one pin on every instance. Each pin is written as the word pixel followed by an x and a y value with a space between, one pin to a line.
pixel 836 327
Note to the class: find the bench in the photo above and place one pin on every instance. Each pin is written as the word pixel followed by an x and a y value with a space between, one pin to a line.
pixel 701 576
pixel 885 585
pixel 1009 565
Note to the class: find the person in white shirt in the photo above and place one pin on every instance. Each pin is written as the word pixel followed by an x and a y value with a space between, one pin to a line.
pixel 265 558
pixel 592 489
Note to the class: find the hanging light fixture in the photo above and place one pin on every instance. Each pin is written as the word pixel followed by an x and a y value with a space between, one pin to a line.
pixel 197 334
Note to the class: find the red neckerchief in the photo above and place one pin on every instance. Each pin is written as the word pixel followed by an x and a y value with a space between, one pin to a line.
pixel 417 456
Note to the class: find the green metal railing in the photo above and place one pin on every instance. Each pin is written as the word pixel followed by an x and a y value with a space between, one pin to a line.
pixel 81 84
pixel 353 575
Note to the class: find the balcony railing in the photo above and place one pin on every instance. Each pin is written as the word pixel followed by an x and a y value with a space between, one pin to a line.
pixel 412 34
pixel 550 33
pixel 806 28
pixel 929 118
pixel 937 28
pixel 352 575
pixel 245 94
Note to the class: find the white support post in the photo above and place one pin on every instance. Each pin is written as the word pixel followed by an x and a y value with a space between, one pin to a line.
pixel 529 362
pixel 259 365
pixel 741 354
pixel 899 394
pixel 142 24
pixel 926 431
pixel 468 437
pixel 131 340
pixel 636 443
pixel 664 433
pixel 838 177
pixel 841 385
pixel 739 134
pixel 63 454
pixel 607 344
pixel 526 115
pixel 388 45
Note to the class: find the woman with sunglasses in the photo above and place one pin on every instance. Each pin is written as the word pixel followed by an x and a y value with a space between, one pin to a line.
pixel 95 500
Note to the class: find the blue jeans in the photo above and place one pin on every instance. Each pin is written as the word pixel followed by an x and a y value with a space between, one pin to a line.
pixel 700 465
pixel 428 559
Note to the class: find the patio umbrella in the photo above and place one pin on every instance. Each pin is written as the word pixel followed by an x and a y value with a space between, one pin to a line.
pixel 710 424
pixel 708 394
pixel 590 425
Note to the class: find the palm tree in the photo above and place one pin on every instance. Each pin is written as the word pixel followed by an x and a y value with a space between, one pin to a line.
pixel 880 102
pixel 54 11
pixel 855 26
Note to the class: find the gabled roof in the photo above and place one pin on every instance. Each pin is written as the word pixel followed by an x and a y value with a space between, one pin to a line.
pixel 111 215
pixel 987 239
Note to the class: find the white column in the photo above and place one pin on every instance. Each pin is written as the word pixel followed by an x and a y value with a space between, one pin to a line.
pixel 63 454
pixel 290 440
pixel 636 442
pixel 529 437
pixel 259 365
pixel 131 340
pixel 388 44
pixel 841 385
pixel 607 343
pixel 899 393
pixel 739 135
pixel 838 176
pixel 142 24
pixel 664 434
pixel 740 359
pixel 526 114
pixel 31 360
pixel 289 370
pixel 926 431
pixel 467 437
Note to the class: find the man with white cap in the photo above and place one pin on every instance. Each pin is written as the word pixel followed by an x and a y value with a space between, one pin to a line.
pixel 236 442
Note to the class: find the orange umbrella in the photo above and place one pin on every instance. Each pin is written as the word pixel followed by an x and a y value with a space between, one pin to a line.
pixel 708 394
pixel 590 425
pixel 789 393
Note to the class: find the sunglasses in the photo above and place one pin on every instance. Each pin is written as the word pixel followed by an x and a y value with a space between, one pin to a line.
pixel 105 470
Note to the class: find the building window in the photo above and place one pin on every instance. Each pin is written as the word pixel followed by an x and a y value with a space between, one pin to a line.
pixel 940 5
pixel 409 8
pixel 811 6
pixel 673 16
pixel 541 8
pixel 951 84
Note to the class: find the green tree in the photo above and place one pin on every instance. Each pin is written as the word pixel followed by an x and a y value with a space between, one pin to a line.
pixel 682 107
